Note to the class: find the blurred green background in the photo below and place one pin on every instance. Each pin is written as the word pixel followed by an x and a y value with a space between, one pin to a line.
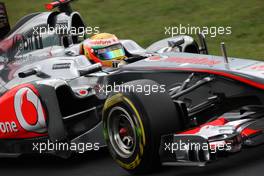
pixel 144 20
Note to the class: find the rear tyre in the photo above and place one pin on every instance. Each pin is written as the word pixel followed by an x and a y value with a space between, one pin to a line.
pixel 134 123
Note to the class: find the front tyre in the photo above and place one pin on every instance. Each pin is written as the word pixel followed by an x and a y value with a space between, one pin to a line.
pixel 134 123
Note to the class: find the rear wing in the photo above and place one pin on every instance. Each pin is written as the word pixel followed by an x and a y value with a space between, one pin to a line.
pixel 4 23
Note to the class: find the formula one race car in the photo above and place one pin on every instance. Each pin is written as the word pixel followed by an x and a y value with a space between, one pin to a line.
pixel 48 92
pixel 150 107
pixel 183 109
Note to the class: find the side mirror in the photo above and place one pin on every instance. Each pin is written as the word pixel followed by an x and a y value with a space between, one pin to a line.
pixel 173 44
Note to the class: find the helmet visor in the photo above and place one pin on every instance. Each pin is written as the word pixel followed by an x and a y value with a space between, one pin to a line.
pixel 111 52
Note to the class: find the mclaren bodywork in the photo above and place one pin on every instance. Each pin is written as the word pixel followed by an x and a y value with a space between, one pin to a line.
pixel 212 106
pixel 49 91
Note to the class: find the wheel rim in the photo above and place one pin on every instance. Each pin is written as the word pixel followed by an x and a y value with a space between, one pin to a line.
pixel 122 132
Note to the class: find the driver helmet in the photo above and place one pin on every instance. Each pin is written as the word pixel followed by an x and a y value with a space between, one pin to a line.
pixel 104 48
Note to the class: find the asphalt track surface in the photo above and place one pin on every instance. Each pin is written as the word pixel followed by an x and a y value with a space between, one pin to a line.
pixel 250 162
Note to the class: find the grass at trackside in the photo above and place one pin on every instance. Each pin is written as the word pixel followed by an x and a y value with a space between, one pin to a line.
pixel 144 20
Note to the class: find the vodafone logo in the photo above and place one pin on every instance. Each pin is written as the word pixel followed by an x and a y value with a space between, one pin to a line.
pixel 29 111
pixel 153 59
pixel 181 60
pixel 104 42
